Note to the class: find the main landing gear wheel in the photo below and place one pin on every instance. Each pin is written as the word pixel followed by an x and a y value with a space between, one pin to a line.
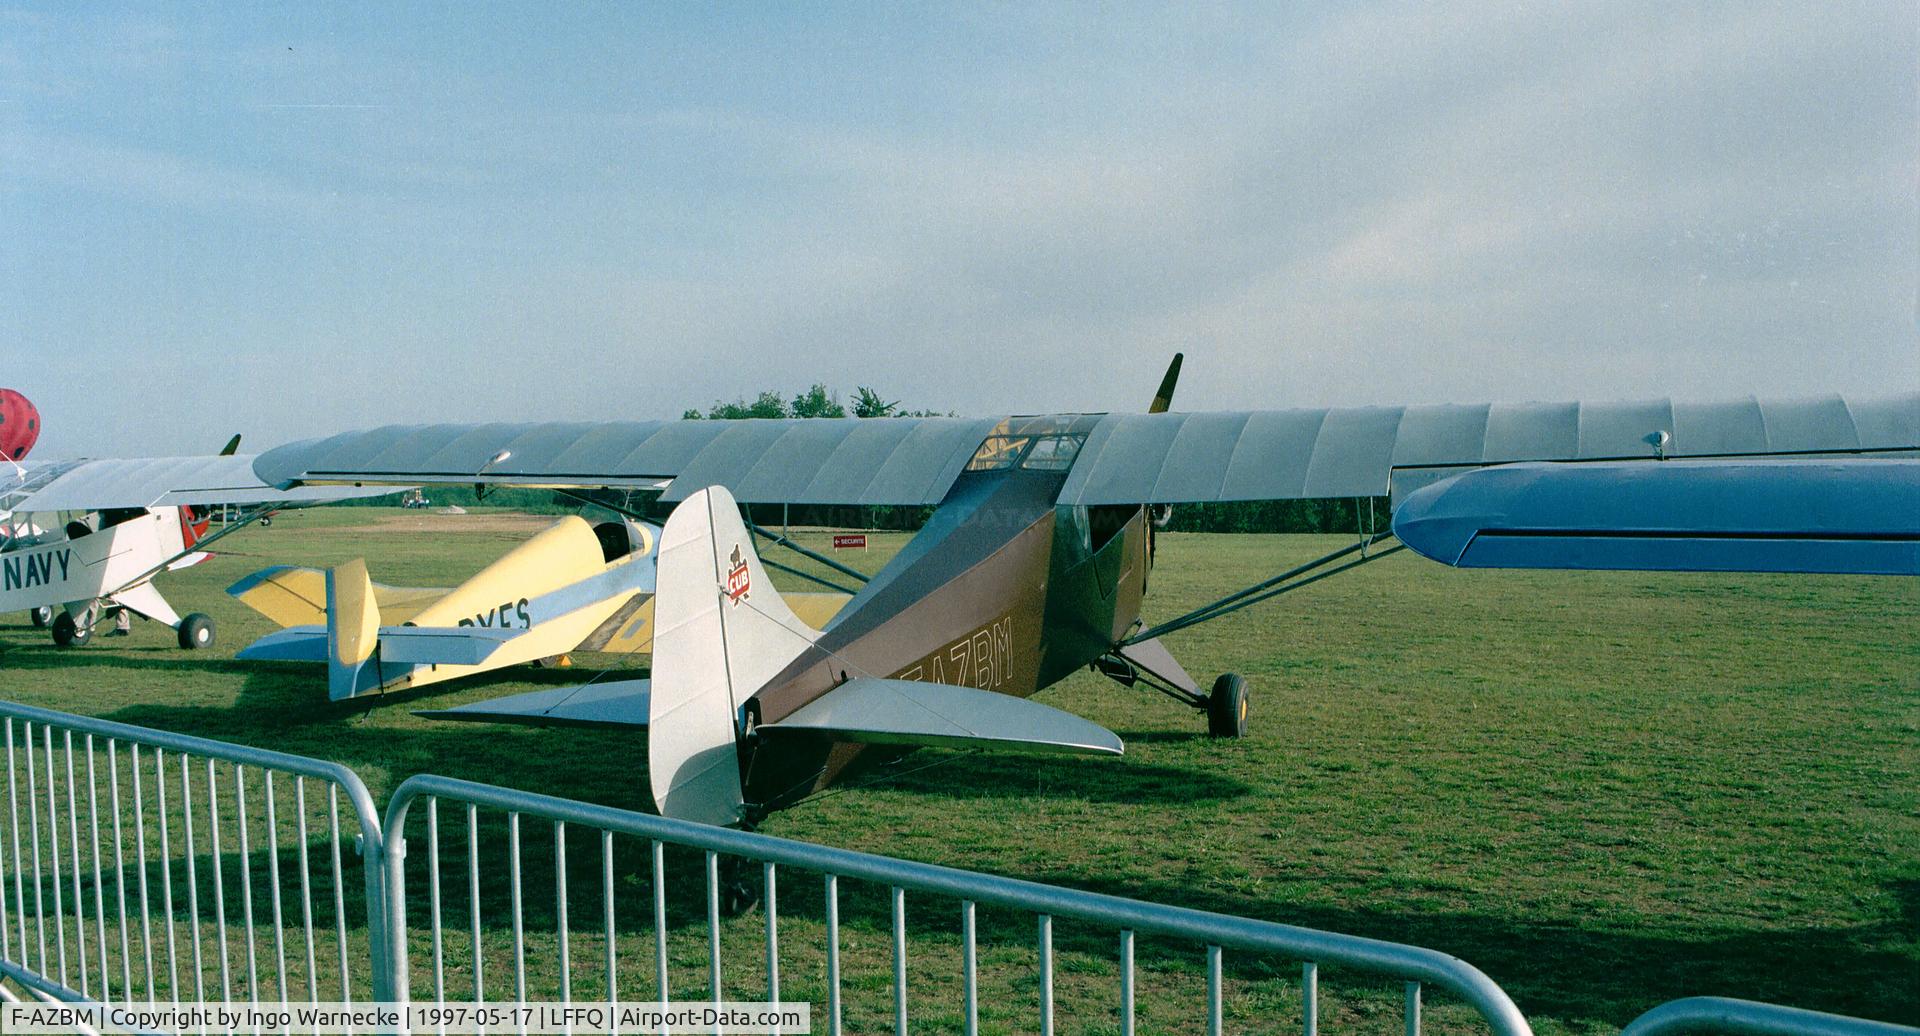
pixel 68 633
pixel 42 616
pixel 1227 707
pixel 196 632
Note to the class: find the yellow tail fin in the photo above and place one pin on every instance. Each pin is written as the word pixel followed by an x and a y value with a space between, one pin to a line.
pixel 353 626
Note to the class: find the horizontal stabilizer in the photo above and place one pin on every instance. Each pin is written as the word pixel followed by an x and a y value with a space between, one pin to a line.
pixel 620 703
pixel 293 644
pixel 909 712
pixel 398 645
pixel 441 645
pixel 1847 516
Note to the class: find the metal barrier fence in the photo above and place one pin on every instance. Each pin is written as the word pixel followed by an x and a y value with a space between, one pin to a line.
pixel 1209 936
pixel 129 857
pixel 1714 1014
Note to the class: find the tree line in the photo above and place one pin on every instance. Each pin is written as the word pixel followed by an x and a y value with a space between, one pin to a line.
pixel 816 401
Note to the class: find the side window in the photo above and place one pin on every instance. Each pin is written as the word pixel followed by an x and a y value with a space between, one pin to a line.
pixel 1106 522
pixel 1072 533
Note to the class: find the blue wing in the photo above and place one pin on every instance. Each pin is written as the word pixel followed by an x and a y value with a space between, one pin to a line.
pixel 1847 516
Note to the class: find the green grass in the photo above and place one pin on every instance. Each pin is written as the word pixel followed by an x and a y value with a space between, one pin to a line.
pixel 1604 790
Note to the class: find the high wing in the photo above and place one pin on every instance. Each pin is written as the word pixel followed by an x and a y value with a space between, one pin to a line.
pixel 896 461
pixel 1289 454
pixel 1849 516
pixel 96 485
pixel 1112 458
pixel 28 477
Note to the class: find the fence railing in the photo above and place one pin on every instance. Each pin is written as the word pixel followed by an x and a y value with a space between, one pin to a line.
pixel 1210 935
pixel 1714 1014
pixel 140 866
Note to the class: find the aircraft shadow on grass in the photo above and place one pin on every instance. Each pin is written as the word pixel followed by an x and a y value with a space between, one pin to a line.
pixel 277 707
pixel 15 657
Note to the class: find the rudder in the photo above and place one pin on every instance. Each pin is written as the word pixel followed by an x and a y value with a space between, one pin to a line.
pixel 721 632
pixel 353 627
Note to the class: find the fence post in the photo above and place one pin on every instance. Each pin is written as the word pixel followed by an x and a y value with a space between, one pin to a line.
pixel 391 965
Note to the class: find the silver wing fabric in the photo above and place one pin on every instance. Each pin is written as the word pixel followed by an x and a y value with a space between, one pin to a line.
pixel 1118 458
pixel 94 485
pixel 1306 454
pixel 908 461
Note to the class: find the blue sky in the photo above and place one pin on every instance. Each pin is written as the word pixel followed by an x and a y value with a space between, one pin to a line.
pixel 290 220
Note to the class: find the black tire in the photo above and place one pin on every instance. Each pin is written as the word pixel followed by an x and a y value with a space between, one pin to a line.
pixel 1227 707
pixel 67 633
pixel 196 632
pixel 42 616
pixel 739 893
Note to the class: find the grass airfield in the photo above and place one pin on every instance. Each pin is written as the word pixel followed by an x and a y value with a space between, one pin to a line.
pixel 1606 790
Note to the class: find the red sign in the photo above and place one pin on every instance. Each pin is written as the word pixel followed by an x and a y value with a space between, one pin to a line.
pixel 739 582
pixel 845 540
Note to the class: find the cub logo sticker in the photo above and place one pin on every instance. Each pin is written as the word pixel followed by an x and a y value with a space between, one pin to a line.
pixel 738 582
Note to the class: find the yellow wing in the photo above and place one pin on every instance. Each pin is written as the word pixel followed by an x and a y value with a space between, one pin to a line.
pixel 295 596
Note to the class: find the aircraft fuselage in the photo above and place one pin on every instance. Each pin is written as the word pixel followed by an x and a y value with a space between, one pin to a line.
pixel 1002 590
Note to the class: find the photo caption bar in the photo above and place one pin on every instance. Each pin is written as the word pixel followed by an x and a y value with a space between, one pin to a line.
pixel 328 1019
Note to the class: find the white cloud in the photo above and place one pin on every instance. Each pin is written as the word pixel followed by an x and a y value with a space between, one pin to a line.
pixel 1409 203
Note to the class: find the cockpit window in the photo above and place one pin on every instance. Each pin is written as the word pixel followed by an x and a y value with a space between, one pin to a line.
pixel 998 452
pixel 614 542
pixel 1039 442
pixel 1027 452
pixel 1053 453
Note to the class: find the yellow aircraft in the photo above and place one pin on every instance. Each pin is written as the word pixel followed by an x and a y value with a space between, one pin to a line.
pixel 574 586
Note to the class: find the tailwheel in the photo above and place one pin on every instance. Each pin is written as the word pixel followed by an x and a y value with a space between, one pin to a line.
pixel 1227 707
pixel 42 616
pixel 68 633
pixel 196 632
pixel 739 893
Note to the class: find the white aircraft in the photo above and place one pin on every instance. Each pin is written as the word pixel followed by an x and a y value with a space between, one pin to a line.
pixel 81 541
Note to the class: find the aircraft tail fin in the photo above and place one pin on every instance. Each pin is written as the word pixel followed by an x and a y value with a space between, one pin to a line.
pixel 721 631
pixel 1164 398
pixel 353 628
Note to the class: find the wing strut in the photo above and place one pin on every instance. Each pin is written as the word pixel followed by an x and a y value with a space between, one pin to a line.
pixel 810 577
pixel 778 541
pixel 251 515
pixel 1292 579
pixel 782 541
